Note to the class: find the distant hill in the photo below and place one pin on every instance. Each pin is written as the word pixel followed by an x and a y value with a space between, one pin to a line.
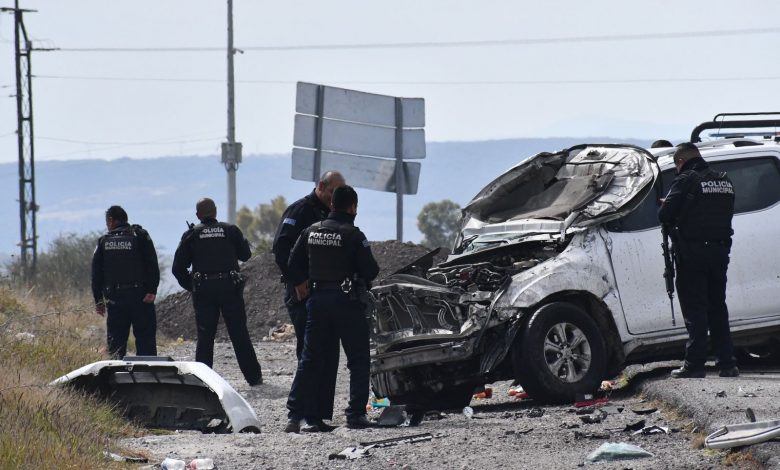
pixel 160 193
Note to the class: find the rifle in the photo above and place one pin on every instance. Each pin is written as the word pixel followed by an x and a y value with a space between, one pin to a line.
pixel 668 268
pixel 190 225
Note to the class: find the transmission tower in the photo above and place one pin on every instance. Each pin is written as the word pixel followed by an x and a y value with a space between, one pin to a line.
pixel 24 118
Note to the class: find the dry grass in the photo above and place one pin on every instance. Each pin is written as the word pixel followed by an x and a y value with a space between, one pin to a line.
pixel 43 426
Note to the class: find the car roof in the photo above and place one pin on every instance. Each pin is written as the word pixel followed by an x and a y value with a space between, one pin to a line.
pixel 714 148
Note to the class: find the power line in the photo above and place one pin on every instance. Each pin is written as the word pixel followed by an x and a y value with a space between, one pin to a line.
pixel 133 144
pixel 447 44
pixel 151 142
pixel 423 82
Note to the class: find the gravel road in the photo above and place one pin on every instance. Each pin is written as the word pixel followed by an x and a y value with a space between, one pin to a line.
pixel 504 432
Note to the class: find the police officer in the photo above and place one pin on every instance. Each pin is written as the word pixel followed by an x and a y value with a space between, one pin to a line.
pixel 698 212
pixel 125 276
pixel 214 249
pixel 312 208
pixel 334 258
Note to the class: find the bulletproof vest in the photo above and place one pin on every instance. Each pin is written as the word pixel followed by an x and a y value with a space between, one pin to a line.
pixel 212 251
pixel 709 208
pixel 122 257
pixel 329 259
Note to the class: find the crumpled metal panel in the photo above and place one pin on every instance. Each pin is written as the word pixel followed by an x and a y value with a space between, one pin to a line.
pixel 167 387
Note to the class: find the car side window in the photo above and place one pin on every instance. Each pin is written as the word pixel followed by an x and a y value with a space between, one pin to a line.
pixel 756 182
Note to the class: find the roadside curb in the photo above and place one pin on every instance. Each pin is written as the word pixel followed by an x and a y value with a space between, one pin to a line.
pixel 705 416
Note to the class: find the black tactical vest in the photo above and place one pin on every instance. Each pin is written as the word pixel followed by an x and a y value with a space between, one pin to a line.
pixel 709 208
pixel 329 259
pixel 122 257
pixel 212 250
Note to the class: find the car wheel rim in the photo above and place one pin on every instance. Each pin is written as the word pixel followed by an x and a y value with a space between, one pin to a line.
pixel 567 352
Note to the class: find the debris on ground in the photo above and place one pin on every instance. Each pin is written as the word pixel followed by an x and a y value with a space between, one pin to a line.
pixel 281 333
pixel 611 451
pixel 634 426
pixel 468 412
pixel 721 394
pixel 743 434
pixel 24 337
pixel 591 435
pixel 744 393
pixel 750 415
pixel 172 464
pixel 644 411
pixel 597 417
pixel 518 392
pixel 394 441
pixel 484 394
pixel 350 453
pixel 651 430
pixel 122 458
pixel 589 400
pixel 394 415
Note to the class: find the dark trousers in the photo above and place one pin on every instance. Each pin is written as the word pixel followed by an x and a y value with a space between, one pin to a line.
pixel 701 284
pixel 330 363
pixel 211 298
pixel 125 309
pixel 332 314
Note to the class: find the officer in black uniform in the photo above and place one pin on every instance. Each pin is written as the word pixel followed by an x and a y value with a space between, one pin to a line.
pixel 334 258
pixel 310 209
pixel 698 212
pixel 214 249
pixel 125 276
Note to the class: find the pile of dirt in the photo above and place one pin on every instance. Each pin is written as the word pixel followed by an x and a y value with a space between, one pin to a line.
pixel 263 293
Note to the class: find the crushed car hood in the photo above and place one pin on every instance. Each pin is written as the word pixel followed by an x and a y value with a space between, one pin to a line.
pixel 559 192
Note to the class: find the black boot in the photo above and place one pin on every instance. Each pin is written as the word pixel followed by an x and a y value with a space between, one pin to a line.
pixel 685 373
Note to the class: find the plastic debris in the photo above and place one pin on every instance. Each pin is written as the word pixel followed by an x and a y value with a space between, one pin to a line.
pixel 744 393
pixel 201 464
pixel 750 415
pixel 743 434
pixel 651 430
pixel 484 394
pixel 24 337
pixel 172 464
pixel 350 453
pixel 594 418
pixel 468 412
pixel 611 451
pixel 644 411
pixel 589 400
pixel 634 426
pixel 721 394
pixel 393 416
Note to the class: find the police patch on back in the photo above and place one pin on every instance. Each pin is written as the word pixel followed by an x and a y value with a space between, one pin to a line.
pixel 212 232
pixel 720 186
pixel 118 245
pixel 325 238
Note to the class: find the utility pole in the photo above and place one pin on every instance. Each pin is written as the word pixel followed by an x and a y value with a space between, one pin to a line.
pixel 24 121
pixel 231 150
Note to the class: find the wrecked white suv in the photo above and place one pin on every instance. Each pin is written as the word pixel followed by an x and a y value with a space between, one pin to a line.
pixel 556 278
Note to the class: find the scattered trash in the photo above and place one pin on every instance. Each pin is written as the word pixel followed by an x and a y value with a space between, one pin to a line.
pixel 591 435
pixel 484 394
pixel 468 412
pixel 614 384
pixel 651 430
pixel 750 415
pixel 172 464
pixel 634 426
pixel 536 412
pixel 745 393
pixel 589 400
pixel 201 464
pixel 394 441
pixel 611 451
pixel 374 403
pixel 24 337
pixel 594 418
pixel 517 392
pixel 283 332
pixel 393 416
pixel 644 411
pixel 122 458
pixel 721 394
pixel 350 453
pixel 743 434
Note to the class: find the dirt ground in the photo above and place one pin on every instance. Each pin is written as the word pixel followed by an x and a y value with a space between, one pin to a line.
pixel 504 432
pixel 263 293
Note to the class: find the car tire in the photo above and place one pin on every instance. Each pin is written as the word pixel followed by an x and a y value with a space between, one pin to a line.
pixel 559 354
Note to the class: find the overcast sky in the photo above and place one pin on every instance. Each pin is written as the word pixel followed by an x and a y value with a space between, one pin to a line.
pixel 174 103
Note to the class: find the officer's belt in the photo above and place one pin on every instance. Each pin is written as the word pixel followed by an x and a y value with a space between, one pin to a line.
pixel 214 276
pixel 128 286
pixel 706 242
pixel 327 284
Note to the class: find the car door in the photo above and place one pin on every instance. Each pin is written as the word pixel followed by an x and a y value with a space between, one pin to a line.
pixel 754 274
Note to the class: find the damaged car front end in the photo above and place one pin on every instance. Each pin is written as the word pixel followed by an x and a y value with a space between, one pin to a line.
pixel 528 240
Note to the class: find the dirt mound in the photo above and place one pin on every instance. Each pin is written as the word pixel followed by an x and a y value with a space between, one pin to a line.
pixel 263 294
